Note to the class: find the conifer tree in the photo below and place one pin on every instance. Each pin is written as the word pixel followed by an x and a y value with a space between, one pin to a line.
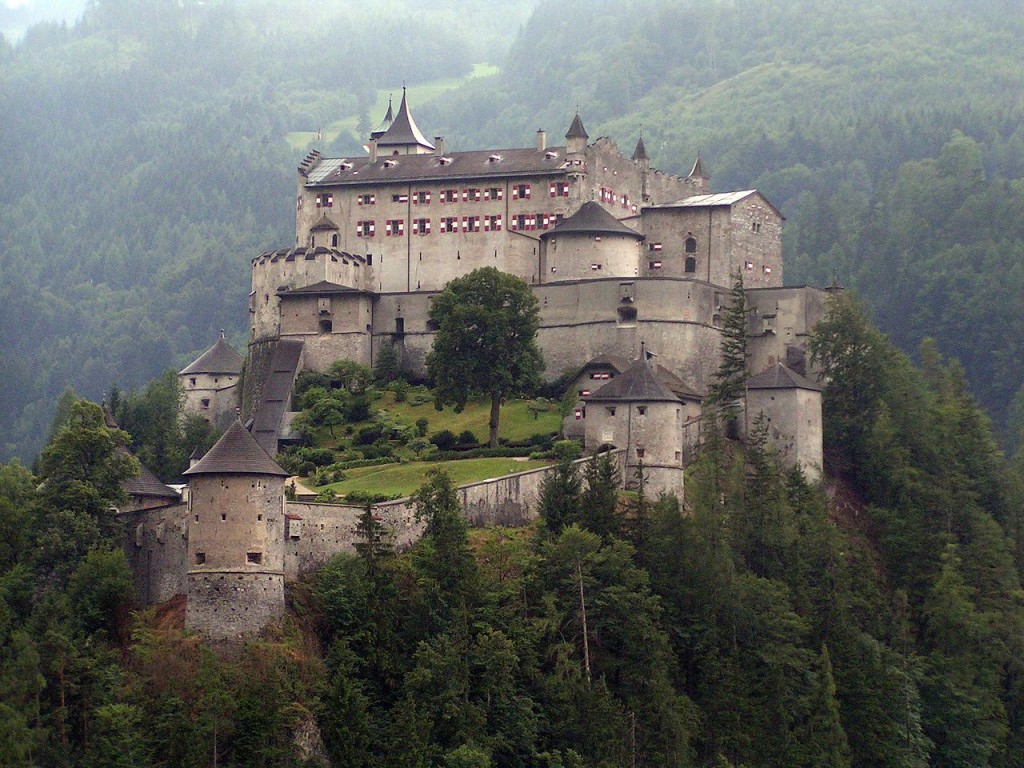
pixel 559 503
pixel 599 501
pixel 823 739
pixel 731 377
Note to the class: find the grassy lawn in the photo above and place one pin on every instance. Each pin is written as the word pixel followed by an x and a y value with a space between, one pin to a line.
pixel 403 479
pixel 515 423
pixel 423 93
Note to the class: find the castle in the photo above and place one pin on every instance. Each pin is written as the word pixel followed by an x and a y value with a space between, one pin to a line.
pixel 632 269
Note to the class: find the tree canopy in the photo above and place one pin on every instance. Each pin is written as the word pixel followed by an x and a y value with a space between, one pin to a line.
pixel 485 343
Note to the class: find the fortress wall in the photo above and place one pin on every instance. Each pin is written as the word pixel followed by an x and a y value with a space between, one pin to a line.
pixel 584 258
pixel 328 529
pixel 156 544
pixel 782 319
pixel 230 606
pixel 754 244
pixel 256 374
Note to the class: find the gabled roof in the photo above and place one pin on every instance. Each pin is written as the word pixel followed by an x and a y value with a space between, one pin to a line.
pixel 236 453
pixel 323 288
pixel 637 384
pixel 277 390
pixel 591 219
pixel 403 130
pixel 779 376
pixel 323 223
pixel 220 358
pixel 640 153
pixel 714 200
pixel 474 165
pixel 674 384
pixel 576 129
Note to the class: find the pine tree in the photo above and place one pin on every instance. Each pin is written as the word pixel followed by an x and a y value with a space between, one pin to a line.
pixel 731 377
pixel 559 503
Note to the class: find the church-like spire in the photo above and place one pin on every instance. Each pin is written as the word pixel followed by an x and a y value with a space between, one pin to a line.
pixel 403 131
pixel 389 118
pixel 640 153
pixel 698 172
pixel 576 130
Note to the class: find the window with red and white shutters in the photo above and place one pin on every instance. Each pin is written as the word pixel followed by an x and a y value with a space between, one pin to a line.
pixel 470 223
pixel 421 198
pixel 558 189
pixel 449 195
pixel 471 195
pixel 494 193
pixel 400 198
pixel 450 224
pixel 324 200
pixel 367 199
pixel 394 227
pixel 521 192
pixel 421 226
pixel 365 228
pixel 492 223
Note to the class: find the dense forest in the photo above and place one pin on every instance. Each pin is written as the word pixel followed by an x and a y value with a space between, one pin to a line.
pixel 875 621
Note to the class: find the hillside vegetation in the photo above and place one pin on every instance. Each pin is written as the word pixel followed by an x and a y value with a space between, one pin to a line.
pixel 874 622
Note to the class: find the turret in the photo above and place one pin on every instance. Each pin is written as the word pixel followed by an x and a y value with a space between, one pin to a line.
pixel 235 539
pixel 210 382
pixel 644 162
pixel 576 137
pixel 403 137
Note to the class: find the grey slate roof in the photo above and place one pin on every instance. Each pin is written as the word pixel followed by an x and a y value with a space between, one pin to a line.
pixel 591 219
pixel 323 223
pixel 674 384
pixel 475 165
pixel 576 129
pixel 640 153
pixel 607 361
pixel 236 453
pixel 147 484
pixel 323 288
pixel 403 130
pixel 277 390
pixel 779 376
pixel 638 383
pixel 389 118
pixel 220 358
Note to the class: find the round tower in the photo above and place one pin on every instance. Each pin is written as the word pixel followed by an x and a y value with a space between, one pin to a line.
pixel 235 539
pixel 589 244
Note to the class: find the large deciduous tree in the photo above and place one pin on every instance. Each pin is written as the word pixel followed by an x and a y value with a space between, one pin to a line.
pixel 486 323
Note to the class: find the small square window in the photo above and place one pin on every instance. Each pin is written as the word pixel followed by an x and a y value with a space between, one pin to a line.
pixel 200 558
pixel 224 516
pixel 641 409
pixel 255 558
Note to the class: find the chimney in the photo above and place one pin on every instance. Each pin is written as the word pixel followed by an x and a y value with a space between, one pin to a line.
pixel 373 150
pixel 542 139
pixel 439 146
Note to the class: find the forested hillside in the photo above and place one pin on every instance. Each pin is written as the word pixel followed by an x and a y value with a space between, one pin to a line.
pixel 144 162
pixel 873 622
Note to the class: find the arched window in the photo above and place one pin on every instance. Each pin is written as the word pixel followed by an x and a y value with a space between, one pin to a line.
pixel 691 264
pixel 334 241
pixel 691 245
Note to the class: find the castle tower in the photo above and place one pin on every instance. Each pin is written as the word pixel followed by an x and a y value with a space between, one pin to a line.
pixel 389 118
pixel 792 405
pixel 637 412
pixel 644 162
pixel 589 244
pixel 210 382
pixel 235 566
pixel 403 137
pixel 576 138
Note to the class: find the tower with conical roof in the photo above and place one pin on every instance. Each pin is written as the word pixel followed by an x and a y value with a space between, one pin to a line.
pixel 576 137
pixel 235 567
pixel 403 136
pixel 590 243
pixel 210 383
pixel 636 412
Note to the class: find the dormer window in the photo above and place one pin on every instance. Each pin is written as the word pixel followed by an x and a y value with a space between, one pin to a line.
pixel 549 155
pixel 391 163
pixel 494 159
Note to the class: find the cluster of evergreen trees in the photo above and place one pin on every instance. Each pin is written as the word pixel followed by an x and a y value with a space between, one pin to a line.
pixel 765 623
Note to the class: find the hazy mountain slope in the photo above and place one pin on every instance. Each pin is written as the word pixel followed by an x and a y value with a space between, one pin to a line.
pixel 144 163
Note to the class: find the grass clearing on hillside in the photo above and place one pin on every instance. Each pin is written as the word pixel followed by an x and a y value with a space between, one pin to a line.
pixel 404 479
pixel 516 422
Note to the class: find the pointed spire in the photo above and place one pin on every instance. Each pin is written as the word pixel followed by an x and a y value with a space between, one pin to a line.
pixel 403 130
pixel 698 171
pixel 576 130
pixel 389 118
pixel 640 153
